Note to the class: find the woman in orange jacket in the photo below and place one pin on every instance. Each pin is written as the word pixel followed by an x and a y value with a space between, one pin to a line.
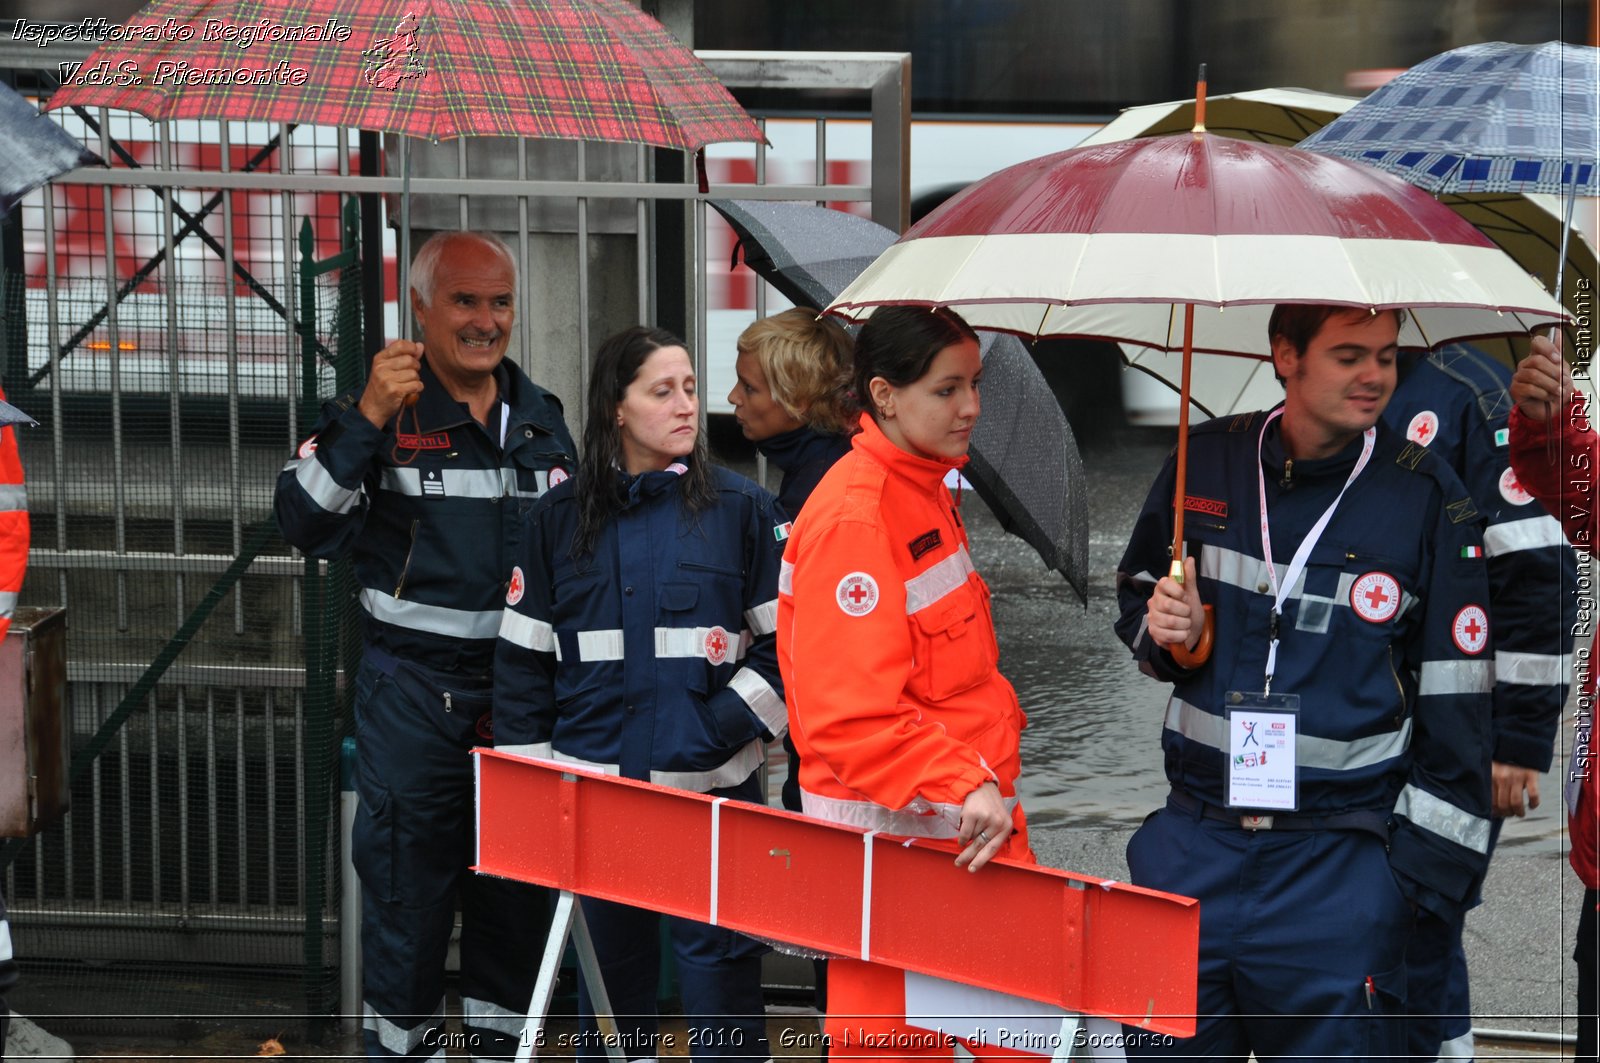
pixel 903 723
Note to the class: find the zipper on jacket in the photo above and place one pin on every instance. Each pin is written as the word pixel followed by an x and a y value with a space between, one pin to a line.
pixel 1288 474
pixel 410 552
pixel 1400 716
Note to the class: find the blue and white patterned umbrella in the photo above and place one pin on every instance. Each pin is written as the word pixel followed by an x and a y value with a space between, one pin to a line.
pixel 1485 118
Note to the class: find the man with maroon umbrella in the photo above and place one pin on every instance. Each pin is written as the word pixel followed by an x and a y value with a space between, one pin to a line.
pixel 1328 743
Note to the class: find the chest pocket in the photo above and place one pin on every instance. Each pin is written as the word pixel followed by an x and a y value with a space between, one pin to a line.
pixel 951 639
pixel 1369 588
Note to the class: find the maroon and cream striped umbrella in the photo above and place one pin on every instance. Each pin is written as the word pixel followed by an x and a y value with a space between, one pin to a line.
pixel 565 69
pixel 1113 241
pixel 1186 242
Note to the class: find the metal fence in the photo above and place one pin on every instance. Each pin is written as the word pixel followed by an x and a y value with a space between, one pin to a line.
pixel 155 328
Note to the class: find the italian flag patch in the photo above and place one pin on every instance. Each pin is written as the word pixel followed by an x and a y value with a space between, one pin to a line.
pixel 780 532
pixel 1472 551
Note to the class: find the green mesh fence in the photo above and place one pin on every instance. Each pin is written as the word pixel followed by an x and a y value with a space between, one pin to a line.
pixel 198 871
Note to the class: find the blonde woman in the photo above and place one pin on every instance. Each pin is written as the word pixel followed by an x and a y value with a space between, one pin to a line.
pixel 792 398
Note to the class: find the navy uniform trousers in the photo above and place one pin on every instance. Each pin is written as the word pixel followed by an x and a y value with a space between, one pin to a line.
pixel 1280 972
pixel 414 840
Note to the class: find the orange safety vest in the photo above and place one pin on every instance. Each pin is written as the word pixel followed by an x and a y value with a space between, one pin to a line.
pixel 14 528
pixel 888 653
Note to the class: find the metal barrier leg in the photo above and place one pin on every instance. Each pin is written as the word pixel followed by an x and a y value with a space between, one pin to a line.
pixel 350 1010
pixel 567 922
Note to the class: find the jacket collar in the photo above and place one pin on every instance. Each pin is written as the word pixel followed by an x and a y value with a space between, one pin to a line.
pixel 437 410
pixel 922 472
pixel 799 446
pixel 652 483
pixel 1273 456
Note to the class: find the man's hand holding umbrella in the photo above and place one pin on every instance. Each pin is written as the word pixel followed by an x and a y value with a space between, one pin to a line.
pixel 394 383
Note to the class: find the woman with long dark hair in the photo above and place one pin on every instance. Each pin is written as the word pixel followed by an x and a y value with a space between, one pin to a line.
pixel 638 639
pixel 902 719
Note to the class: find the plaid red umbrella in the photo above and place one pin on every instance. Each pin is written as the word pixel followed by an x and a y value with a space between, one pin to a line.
pixel 565 69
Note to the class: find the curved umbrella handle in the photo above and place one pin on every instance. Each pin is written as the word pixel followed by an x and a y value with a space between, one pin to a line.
pixel 1201 653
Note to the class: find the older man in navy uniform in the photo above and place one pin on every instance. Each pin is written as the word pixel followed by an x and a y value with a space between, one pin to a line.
pixel 422 477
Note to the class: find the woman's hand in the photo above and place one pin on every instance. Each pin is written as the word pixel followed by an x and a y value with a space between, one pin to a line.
pixel 985 826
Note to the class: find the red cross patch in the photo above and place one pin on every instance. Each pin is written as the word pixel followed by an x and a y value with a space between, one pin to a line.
pixel 1512 491
pixel 1375 596
pixel 514 588
pixel 1423 427
pixel 857 594
pixel 1471 630
pixel 716 645
pixel 308 448
pixel 557 475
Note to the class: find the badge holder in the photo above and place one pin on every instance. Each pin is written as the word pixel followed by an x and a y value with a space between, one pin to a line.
pixel 1262 735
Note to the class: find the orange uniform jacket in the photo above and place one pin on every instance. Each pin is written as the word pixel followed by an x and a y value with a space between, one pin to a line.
pixel 13 525
pixel 888 652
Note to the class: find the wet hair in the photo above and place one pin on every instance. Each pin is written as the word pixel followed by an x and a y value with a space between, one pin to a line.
pixel 1299 323
pixel 899 343
pixel 599 487
pixel 808 362
pixel 426 262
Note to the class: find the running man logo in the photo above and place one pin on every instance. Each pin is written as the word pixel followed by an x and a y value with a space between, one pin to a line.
pixel 392 60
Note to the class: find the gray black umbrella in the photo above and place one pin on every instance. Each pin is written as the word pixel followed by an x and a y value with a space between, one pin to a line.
pixel 9 414
pixel 36 149
pixel 1024 460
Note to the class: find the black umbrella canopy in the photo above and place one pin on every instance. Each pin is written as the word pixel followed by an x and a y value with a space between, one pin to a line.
pixel 36 149
pixel 1024 459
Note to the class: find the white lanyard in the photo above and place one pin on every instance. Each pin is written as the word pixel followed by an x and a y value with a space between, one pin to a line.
pixel 1280 592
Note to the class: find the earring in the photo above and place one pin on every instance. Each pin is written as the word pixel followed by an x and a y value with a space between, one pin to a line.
pixel 887 412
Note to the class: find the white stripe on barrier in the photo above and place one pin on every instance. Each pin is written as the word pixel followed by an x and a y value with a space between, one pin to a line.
pixel 716 854
pixel 866 896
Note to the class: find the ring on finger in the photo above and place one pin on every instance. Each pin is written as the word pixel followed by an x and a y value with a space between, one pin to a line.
pixel 983 835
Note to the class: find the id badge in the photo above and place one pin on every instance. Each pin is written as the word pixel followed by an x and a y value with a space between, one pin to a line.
pixel 1261 750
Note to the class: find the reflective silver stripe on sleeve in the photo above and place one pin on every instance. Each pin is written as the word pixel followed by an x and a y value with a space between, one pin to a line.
pixel 1438 816
pixel 763 619
pixel 402 1040
pixel 13 497
pixel 732 772
pixel 8 603
pixel 1455 677
pixel 315 480
pixel 762 699
pixel 786 578
pixel 527 632
pixel 435 619
pixel 600 645
pixel 1332 754
pixel 489 1016
pixel 920 819
pixel 1532 669
pixel 695 642
pixel 5 941
pixel 928 587
pixel 1531 533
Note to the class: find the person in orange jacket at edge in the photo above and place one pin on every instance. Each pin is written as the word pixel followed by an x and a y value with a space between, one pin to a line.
pixel 14 535
pixel 902 720
pixel 1555 453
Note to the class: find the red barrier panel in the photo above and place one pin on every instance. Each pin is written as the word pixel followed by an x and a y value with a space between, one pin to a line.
pixel 1101 948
